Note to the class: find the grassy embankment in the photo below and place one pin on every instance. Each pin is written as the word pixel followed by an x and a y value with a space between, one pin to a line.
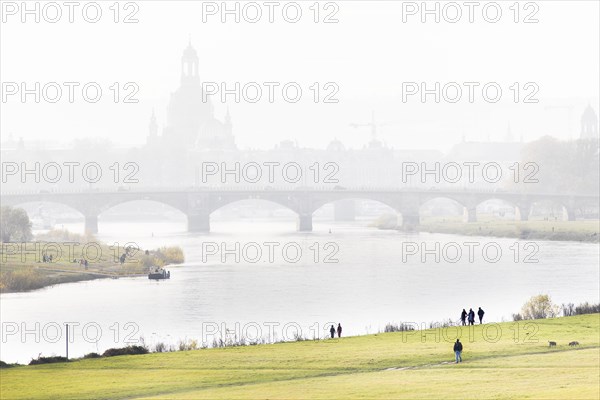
pixel 580 231
pixel 22 269
pixel 391 365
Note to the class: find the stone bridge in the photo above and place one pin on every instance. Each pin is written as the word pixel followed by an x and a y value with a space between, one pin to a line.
pixel 198 204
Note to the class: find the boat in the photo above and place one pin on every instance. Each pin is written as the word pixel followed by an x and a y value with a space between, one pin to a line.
pixel 158 273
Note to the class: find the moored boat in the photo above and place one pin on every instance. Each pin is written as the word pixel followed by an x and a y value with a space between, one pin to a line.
pixel 158 273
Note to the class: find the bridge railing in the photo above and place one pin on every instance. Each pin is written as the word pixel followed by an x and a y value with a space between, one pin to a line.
pixel 288 189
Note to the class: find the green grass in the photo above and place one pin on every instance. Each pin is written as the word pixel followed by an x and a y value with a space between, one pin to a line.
pixel 519 364
pixel 583 231
pixel 24 270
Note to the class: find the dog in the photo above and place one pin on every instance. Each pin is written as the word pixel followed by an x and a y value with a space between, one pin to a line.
pixel 551 344
pixel 574 343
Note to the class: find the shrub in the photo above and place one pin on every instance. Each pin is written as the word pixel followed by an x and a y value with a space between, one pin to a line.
pixel 22 280
pixel 386 221
pixel 441 324
pixel 6 365
pixel 390 327
pixel 173 255
pixel 517 317
pixel 92 355
pixel 539 307
pixel 162 257
pixel 48 360
pixel 161 347
pixel 190 344
pixel 125 351
pixel 14 225
pixel 587 308
pixel 568 309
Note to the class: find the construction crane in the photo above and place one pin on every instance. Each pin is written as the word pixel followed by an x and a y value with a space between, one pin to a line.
pixel 373 125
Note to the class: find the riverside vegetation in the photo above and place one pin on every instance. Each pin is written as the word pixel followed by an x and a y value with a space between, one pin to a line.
pixel 580 231
pixel 22 267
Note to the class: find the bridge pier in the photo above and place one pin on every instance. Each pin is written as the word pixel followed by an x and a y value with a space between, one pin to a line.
pixel 410 222
pixel 198 222
pixel 305 223
pixel 570 214
pixel 522 213
pixel 471 214
pixel 91 224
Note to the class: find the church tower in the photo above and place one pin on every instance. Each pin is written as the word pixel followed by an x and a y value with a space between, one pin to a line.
pixel 152 129
pixel 228 126
pixel 189 109
pixel 589 124
pixel 189 66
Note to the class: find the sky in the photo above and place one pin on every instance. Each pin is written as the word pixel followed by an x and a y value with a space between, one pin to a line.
pixel 368 58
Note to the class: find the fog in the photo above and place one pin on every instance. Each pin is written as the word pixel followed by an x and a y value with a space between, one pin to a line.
pixel 367 56
pixel 388 144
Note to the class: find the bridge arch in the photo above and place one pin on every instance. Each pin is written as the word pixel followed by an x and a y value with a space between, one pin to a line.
pixel 242 205
pixel 111 201
pixel 344 209
pixel 441 207
pixel 319 202
pixel 152 209
pixel 499 207
pixel 551 210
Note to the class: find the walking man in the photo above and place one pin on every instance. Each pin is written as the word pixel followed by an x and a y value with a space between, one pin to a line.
pixel 339 330
pixel 332 331
pixel 471 317
pixel 463 317
pixel 480 314
pixel 457 351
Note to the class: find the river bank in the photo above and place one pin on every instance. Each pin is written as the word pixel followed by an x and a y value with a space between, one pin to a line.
pixel 28 266
pixel 579 231
pixel 575 231
pixel 508 360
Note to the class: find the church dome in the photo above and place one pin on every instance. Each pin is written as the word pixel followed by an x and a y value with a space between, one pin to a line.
pixel 212 128
pixel 589 114
pixel 335 145
pixel 589 124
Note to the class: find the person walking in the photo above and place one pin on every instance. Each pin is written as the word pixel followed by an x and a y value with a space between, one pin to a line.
pixel 458 351
pixel 471 317
pixel 339 330
pixel 463 317
pixel 480 314
pixel 332 331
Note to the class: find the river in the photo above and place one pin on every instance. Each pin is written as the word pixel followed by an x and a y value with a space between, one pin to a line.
pixel 358 276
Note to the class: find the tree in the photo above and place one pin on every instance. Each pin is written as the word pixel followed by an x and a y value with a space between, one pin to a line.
pixel 14 225
pixel 539 307
pixel 564 166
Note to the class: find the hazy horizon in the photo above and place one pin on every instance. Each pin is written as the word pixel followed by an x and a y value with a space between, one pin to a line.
pixel 367 54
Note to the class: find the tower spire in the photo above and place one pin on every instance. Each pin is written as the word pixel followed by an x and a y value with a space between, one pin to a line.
pixel 189 63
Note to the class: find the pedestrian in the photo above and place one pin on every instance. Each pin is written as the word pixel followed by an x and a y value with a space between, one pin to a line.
pixel 463 317
pixel 332 331
pixel 458 351
pixel 471 317
pixel 339 330
pixel 480 314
